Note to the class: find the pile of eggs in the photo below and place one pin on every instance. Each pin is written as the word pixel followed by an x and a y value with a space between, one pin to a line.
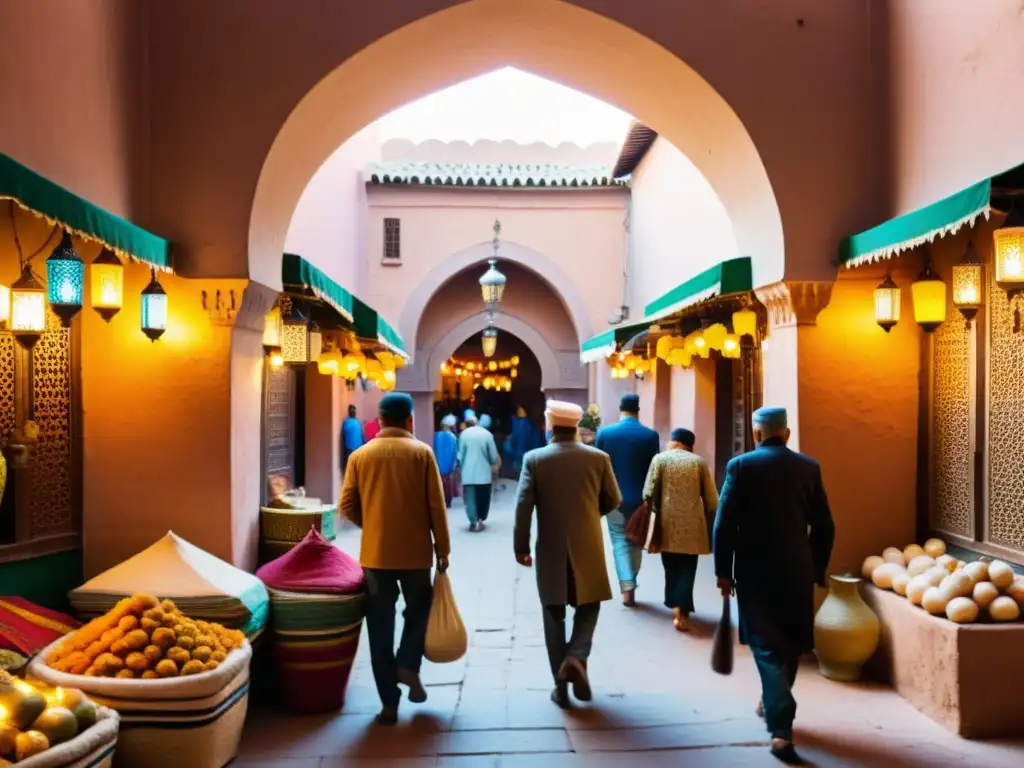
pixel 943 585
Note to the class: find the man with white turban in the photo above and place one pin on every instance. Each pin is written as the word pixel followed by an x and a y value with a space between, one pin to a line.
pixel 572 487
pixel 446 447
pixel 478 460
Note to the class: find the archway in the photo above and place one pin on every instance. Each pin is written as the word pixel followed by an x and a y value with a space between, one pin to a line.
pixel 486 34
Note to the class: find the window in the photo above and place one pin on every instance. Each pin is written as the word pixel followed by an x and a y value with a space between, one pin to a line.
pixel 392 240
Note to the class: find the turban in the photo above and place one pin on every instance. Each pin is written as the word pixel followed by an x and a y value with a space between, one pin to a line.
pixel 448 421
pixel 469 415
pixel 770 417
pixel 560 414
pixel 395 407
pixel 485 421
pixel 629 404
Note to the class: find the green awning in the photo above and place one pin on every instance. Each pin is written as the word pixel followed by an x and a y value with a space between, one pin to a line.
pixel 607 343
pixel 368 324
pixel 297 272
pixel 917 227
pixel 57 205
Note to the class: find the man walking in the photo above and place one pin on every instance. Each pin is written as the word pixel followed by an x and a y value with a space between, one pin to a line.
pixel 392 490
pixel 351 437
pixel 446 446
pixel 478 458
pixel 631 447
pixel 572 487
pixel 773 502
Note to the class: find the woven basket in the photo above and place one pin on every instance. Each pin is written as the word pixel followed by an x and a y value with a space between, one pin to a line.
pixel 93 748
pixel 282 529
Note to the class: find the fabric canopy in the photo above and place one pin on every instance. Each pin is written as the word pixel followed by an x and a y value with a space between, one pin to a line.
pixel 57 205
pixel 297 272
pixel 368 324
pixel 923 225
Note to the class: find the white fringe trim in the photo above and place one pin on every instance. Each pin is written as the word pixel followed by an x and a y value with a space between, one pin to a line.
pixel 327 299
pixel 887 252
pixel 599 354
pixel 689 301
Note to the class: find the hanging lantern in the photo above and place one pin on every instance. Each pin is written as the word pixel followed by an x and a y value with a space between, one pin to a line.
pixel 679 356
pixel 929 295
pixel 272 329
pixel 492 366
pixel 887 304
pixel 154 308
pixel 663 347
pixel 514 360
pixel 1009 252
pixel 731 346
pixel 107 276
pixel 514 373
pixel 353 365
pixel 489 341
pixel 329 362
pixel 5 306
pixel 968 284
pixel 28 308
pixel 65 276
pixel 508 386
pixel 374 370
pixel 492 286
pixel 276 359
pixel 387 380
pixel 744 323
pixel 715 335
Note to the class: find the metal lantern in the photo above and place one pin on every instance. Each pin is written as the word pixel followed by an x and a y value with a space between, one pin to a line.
pixel 1009 252
pixel 28 308
pixel 929 294
pixel 489 342
pixel 492 286
pixel 744 323
pixel 968 284
pixel 154 308
pixel 65 276
pixel 887 304
pixel 272 331
pixel 107 276
pixel 731 346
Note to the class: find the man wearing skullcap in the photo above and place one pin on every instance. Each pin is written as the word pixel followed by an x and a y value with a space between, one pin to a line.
pixel 631 447
pixel 772 542
pixel 478 460
pixel 446 446
pixel 572 487
pixel 393 491
pixel 351 437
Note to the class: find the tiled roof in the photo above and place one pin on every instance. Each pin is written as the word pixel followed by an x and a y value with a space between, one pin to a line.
pixel 491 175
pixel 638 140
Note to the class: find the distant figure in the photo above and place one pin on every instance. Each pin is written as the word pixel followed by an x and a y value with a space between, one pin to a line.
pixel 446 447
pixel 392 490
pixel 631 447
pixel 351 436
pixel 572 486
pixel 371 429
pixel 478 461
pixel 520 439
pixel 485 422
pixel 773 501
pixel 683 494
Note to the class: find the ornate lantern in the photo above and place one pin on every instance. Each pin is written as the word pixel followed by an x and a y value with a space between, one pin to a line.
pixel 1009 252
pixel 715 335
pixel 272 330
pixel 968 284
pixel 887 304
pixel 929 293
pixel 65 275
pixel 107 276
pixel 28 308
pixel 154 308
pixel 492 284
pixel 489 341
pixel 744 323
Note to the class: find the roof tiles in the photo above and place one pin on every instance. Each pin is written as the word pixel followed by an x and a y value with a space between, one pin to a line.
pixel 491 175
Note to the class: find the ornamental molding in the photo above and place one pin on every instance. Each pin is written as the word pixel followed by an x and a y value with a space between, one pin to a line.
pixel 795 302
pixel 225 308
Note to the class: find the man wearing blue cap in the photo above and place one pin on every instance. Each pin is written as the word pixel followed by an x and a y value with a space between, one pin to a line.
pixel 392 490
pixel 478 458
pixel 772 543
pixel 631 447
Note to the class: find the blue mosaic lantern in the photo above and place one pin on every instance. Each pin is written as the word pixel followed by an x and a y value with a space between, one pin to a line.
pixel 65 277
pixel 154 309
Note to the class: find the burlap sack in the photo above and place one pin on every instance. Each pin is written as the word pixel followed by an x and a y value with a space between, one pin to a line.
pixel 446 634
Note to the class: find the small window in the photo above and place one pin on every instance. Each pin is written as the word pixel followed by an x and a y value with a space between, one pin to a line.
pixel 392 240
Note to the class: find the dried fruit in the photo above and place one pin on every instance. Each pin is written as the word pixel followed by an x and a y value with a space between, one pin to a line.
pixel 167 668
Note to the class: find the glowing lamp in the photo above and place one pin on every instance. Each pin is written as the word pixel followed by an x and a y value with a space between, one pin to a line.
pixel 444 368
pixel 489 341
pixel 459 372
pixel 887 304
pixel 492 286
pixel 663 347
pixel 968 284
pixel 744 323
pixel 272 329
pixel 492 366
pixel 929 294
pixel 731 346
pixel 28 309
pixel 154 308
pixel 514 360
pixel 508 386
pixel 107 276
pixel 387 380
pixel 352 365
pixel 714 335
pixel 65 275
pixel 374 370
pixel 679 356
pixel 1009 252
pixel 276 360
pixel 514 373
pixel 329 363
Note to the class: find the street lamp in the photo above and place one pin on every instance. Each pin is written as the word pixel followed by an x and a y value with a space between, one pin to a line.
pixel 492 284
pixel 489 342
pixel 968 284
pixel 887 304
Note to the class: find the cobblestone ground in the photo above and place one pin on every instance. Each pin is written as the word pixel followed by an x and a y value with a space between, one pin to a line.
pixel 656 701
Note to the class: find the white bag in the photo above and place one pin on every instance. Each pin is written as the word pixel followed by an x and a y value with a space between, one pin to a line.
pixel 446 634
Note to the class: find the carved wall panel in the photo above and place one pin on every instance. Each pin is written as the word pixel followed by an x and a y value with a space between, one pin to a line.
pixel 280 423
pixel 1006 424
pixel 952 508
pixel 8 414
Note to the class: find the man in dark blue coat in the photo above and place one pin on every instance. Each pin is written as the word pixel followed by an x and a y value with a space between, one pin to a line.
pixel 631 447
pixel 772 542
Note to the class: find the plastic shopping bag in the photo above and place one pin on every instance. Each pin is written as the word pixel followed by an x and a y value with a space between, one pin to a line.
pixel 446 634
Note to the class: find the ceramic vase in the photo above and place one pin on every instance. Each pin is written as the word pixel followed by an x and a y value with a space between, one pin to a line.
pixel 846 630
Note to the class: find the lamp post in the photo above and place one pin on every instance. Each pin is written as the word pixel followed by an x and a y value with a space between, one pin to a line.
pixel 492 284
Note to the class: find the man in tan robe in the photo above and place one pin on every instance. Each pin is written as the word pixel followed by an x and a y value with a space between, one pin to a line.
pixel 572 486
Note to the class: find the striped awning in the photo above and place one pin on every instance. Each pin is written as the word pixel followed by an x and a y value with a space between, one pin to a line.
pixel 370 324
pixel 296 272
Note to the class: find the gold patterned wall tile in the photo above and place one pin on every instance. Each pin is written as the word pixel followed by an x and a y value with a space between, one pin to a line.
pixel 8 414
pixel 952 508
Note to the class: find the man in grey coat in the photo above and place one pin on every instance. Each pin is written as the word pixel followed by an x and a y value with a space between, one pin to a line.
pixel 478 458
pixel 572 487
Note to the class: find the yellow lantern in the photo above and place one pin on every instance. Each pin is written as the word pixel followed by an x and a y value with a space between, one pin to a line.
pixel 492 366
pixel 929 294
pixel 514 373
pixel 329 362
pixel 374 370
pixel 887 304
pixel 714 335
pixel 514 360
pixel 744 323
pixel 679 356
pixel 508 386
pixel 276 359
pixel 28 308
pixel 1009 252
pixel 663 347
pixel 731 346
pixel 352 365
pixel 107 276
pixel 272 325
pixel 387 381
pixel 968 284
pixel 444 369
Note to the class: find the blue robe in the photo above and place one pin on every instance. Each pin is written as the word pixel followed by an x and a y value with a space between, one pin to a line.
pixel 631 447
pixel 446 446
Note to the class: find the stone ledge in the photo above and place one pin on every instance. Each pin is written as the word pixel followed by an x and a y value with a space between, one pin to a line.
pixel 967 678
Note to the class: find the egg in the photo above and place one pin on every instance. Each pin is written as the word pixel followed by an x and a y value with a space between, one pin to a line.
pixel 1000 574
pixel 935 575
pixel 870 563
pixel 935 547
pixel 916 589
pixel 1004 609
pixel 893 555
pixel 920 564
pixel 933 601
pixel 1016 590
pixel 962 610
pixel 978 571
pixel 900 582
pixel 883 574
pixel 911 551
pixel 946 561
pixel 956 585
pixel 984 593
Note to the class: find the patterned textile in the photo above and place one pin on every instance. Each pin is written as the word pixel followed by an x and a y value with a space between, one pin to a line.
pixel 685 496
pixel 28 628
pixel 314 565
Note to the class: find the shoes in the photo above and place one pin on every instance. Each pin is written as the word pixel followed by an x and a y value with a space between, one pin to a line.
pixel 573 671
pixel 388 716
pixel 760 709
pixel 784 751
pixel 629 598
pixel 417 693
pixel 680 621
pixel 560 695
pixel 475 527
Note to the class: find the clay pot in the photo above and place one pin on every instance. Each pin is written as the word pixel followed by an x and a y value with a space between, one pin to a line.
pixel 846 630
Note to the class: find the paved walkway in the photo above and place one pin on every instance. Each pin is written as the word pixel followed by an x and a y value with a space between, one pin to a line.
pixel 656 702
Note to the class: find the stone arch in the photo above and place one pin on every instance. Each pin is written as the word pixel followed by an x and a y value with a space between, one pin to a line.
pixel 552 274
pixel 550 371
pixel 606 59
